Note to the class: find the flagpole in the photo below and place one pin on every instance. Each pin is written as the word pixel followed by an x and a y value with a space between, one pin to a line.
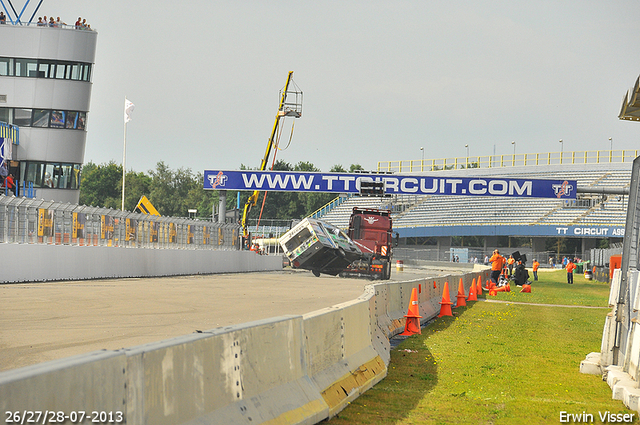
pixel 124 157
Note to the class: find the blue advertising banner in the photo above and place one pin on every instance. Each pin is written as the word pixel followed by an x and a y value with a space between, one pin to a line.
pixel 395 184
pixel 514 230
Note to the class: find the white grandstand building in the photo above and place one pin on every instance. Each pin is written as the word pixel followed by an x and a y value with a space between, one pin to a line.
pixel 45 91
pixel 599 212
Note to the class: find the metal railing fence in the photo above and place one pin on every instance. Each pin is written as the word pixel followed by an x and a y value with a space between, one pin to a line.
pixel 509 160
pixel 25 220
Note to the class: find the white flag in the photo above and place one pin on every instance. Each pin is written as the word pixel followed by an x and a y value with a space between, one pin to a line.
pixel 128 108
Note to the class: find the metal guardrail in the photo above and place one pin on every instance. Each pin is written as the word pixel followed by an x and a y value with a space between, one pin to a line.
pixel 10 131
pixel 25 220
pixel 509 160
pixel 336 202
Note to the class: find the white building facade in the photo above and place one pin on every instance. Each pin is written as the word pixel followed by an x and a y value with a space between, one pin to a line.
pixel 45 90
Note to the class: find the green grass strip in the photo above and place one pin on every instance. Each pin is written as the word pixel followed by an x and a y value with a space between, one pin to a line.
pixel 511 362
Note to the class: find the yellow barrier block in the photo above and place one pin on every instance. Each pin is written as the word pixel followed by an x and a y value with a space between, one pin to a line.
pixel 353 384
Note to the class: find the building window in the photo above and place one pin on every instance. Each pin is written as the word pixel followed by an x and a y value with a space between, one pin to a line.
pixel 82 120
pixel 40 118
pixel 6 115
pixel 6 67
pixel 50 175
pixel 45 68
pixel 21 117
pixel 57 119
pixel 60 71
pixel 44 118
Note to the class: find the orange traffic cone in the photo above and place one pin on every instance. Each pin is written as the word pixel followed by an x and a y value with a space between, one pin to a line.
pixel 479 287
pixel 501 289
pixel 412 325
pixel 493 292
pixel 472 291
pixel 526 288
pixel 508 286
pixel 445 304
pixel 461 296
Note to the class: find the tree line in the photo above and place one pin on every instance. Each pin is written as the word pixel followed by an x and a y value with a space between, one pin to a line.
pixel 174 192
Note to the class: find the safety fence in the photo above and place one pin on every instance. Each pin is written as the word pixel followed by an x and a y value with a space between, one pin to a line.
pixel 600 257
pixel 478 255
pixel 289 369
pixel 32 221
pixel 10 133
pixel 508 160
pixel 619 358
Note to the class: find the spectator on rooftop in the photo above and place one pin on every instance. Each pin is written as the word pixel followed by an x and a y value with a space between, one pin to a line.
pixel 3 18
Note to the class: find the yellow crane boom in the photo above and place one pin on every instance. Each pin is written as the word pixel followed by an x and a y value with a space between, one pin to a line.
pixel 284 110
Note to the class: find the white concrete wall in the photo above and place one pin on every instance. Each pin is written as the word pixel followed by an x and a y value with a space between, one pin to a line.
pixel 623 374
pixel 38 262
pixel 284 370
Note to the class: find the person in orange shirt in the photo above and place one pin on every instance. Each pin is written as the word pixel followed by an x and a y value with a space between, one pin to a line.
pixel 510 263
pixel 570 268
pixel 497 262
pixel 535 269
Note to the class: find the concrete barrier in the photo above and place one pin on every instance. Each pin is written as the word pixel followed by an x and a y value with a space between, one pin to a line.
pixel 93 382
pixel 284 370
pixel 37 262
pixel 343 362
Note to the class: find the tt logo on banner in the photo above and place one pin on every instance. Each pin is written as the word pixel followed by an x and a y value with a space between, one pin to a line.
pixel 563 189
pixel 218 180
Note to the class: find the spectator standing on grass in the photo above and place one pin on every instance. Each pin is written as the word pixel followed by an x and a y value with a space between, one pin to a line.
pixel 535 269
pixel 510 264
pixel 497 262
pixel 570 268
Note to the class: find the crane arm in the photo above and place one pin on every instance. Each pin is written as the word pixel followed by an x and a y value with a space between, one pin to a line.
pixel 253 199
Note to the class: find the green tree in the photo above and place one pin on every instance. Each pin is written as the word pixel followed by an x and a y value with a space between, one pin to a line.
pixel 169 190
pixel 101 185
pixel 136 185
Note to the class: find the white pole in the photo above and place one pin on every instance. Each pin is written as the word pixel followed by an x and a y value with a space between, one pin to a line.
pixel 124 157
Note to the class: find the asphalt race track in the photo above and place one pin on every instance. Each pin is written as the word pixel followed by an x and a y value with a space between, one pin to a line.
pixel 52 320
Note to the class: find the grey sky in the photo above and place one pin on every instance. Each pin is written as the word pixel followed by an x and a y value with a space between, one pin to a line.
pixel 380 78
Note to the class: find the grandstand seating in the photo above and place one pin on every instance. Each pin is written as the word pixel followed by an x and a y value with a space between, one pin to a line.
pixel 440 210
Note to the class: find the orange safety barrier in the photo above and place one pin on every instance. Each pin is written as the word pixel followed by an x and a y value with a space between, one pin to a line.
pixel 472 291
pixel 615 262
pixel 412 324
pixel 461 302
pixel 445 304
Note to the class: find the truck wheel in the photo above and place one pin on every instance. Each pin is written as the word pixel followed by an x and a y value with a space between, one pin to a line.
pixel 316 273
